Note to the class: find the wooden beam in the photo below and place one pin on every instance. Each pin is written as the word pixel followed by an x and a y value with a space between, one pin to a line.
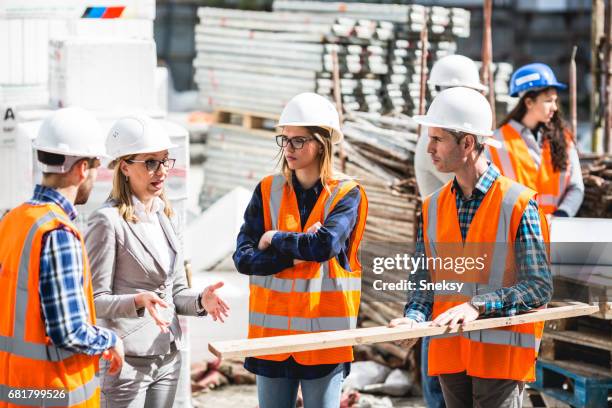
pixel 573 96
pixel 597 33
pixel 317 341
pixel 339 106
pixel 424 40
pixel 608 79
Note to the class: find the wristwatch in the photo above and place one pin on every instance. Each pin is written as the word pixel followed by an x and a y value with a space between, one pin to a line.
pixel 199 309
pixel 479 305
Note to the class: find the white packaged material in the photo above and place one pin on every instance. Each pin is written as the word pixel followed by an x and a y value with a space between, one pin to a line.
pixel 17 156
pixel 24 51
pixel 143 9
pixel 111 75
pixel 161 89
pixel 364 373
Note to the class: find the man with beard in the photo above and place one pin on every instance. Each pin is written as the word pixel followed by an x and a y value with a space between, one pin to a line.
pixel 49 344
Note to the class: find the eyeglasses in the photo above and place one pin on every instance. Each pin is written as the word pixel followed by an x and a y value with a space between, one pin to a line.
pixel 296 142
pixel 153 165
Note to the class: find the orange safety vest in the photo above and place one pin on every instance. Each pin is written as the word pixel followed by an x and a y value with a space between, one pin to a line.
pixel 500 353
pixel 309 297
pixel 28 359
pixel 515 162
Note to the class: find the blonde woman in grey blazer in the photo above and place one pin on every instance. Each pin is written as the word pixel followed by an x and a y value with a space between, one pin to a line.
pixel 137 269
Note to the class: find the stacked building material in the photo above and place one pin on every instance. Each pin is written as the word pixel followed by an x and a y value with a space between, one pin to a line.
pixel 597 175
pixel 236 156
pixel 255 61
pixel 27 28
pixel 380 153
pixel 399 26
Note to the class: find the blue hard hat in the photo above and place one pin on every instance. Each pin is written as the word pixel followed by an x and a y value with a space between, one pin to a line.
pixel 533 76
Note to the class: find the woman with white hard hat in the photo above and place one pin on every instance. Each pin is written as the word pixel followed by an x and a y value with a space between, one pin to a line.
pixel 299 245
pixel 538 149
pixel 447 72
pixel 137 266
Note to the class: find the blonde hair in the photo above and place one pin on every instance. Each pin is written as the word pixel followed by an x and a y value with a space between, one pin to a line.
pixel 326 159
pixel 122 194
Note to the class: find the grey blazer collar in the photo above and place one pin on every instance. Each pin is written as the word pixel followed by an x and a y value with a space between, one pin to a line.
pixel 138 230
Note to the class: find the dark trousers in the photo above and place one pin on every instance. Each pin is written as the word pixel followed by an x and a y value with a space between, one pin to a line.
pixel 463 391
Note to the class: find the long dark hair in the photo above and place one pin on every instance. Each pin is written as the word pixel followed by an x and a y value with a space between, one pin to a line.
pixel 553 131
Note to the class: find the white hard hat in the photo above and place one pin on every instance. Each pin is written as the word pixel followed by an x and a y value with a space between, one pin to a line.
pixel 310 109
pixel 455 70
pixel 460 109
pixel 136 134
pixel 71 132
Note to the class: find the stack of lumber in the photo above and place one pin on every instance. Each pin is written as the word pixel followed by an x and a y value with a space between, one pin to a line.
pixel 597 175
pixel 380 153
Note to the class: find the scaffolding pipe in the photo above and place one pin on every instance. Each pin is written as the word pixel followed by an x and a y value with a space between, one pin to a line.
pixel 487 56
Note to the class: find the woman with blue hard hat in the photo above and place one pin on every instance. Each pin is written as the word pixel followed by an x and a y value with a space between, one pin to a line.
pixel 537 147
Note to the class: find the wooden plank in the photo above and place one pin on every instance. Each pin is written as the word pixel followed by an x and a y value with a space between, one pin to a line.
pixel 605 308
pixel 249 113
pixel 585 339
pixel 340 338
pixel 583 369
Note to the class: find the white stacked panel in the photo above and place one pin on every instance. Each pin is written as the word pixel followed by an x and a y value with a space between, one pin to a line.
pixel 17 158
pixel 26 27
pixel 105 75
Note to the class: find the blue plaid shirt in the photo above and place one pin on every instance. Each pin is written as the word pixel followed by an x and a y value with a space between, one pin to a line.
pixel 534 287
pixel 331 240
pixel 61 286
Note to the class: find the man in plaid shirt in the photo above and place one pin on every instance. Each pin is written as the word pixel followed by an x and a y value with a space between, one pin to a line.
pixel 472 373
pixel 41 235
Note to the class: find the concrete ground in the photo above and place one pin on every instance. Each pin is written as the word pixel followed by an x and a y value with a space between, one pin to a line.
pixel 245 396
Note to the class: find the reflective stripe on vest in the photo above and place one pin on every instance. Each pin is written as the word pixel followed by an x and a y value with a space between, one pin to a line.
pixel 70 398
pixel 496 336
pixel 496 275
pixel 506 166
pixel 322 284
pixel 315 324
pixel 17 344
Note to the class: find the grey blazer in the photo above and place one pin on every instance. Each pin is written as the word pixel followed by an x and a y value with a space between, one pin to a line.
pixel 124 263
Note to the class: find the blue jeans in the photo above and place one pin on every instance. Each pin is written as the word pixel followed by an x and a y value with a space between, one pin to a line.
pixel 432 391
pixel 322 392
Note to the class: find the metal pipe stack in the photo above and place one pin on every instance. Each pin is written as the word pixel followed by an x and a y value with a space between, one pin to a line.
pixel 389 32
